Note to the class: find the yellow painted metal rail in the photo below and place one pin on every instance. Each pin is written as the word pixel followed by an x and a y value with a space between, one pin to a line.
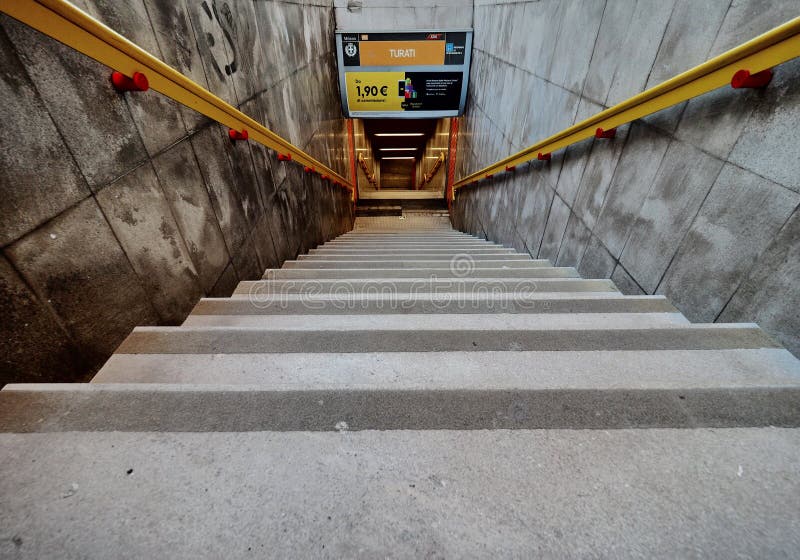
pixel 765 51
pixel 69 25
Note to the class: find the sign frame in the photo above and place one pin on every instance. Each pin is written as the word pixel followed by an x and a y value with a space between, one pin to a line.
pixel 463 69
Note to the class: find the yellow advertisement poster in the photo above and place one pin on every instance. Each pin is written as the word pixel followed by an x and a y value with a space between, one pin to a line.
pixel 374 91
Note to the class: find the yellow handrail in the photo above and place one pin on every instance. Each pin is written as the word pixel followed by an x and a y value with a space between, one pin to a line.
pixel 428 176
pixel 765 51
pixel 65 23
pixel 362 163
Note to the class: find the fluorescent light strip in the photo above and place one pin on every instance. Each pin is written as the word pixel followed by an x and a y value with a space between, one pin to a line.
pixel 400 134
pixel 400 157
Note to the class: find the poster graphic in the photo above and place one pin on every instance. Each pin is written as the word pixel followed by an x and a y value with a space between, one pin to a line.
pixel 404 74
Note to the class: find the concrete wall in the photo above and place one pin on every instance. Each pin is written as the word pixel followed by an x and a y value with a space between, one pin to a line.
pixel 122 210
pixel 363 148
pixel 379 15
pixel 396 173
pixel 698 202
pixel 436 145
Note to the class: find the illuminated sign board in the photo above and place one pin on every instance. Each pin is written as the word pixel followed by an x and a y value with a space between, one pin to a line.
pixel 407 74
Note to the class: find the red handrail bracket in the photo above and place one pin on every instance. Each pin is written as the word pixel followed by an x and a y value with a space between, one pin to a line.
pixel 236 135
pixel 744 79
pixel 284 157
pixel 123 83
pixel 511 167
pixel 544 157
pixel 600 133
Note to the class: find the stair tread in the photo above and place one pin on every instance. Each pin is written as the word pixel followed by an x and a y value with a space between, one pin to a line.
pixel 674 369
pixel 508 492
pixel 276 300
pixel 425 274
pixel 400 321
pixel 238 408
pixel 214 340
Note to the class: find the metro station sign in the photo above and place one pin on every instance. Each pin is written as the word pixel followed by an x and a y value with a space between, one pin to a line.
pixel 407 74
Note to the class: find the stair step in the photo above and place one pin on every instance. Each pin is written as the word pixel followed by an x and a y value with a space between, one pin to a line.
pixel 444 274
pixel 215 340
pixel 650 369
pixel 562 493
pixel 406 234
pixel 379 210
pixel 441 321
pixel 357 302
pixel 466 263
pixel 435 244
pixel 418 390
pixel 540 282
pixel 411 251
pixel 390 256
pixel 162 407
pixel 398 238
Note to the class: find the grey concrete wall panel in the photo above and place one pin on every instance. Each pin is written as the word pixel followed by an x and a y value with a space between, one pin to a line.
pixel 157 117
pixel 768 142
pixel 140 216
pixel 211 215
pixel 684 179
pixel 573 50
pixel 639 208
pixel 636 54
pixel 688 38
pixel 596 261
pixel 573 245
pixel 554 230
pixel 29 324
pixel 412 14
pixel 188 197
pixel 770 294
pixel 91 116
pixel 625 282
pixel 632 181
pixel 596 179
pixel 742 214
pixel 176 40
pixel 76 264
pixel 226 284
pixel 28 135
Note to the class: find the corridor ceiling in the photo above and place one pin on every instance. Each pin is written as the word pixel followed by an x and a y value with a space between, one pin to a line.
pixel 375 128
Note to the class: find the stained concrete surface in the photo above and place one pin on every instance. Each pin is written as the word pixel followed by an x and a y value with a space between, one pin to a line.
pixel 124 209
pixel 554 493
pixel 697 202
pixel 140 216
pixel 360 15
pixel 64 183
pixel 78 268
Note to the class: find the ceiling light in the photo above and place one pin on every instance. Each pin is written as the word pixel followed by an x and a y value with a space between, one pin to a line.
pixel 398 149
pixel 399 157
pixel 400 134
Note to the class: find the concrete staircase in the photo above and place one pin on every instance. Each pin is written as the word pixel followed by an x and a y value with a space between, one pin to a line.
pixel 407 390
